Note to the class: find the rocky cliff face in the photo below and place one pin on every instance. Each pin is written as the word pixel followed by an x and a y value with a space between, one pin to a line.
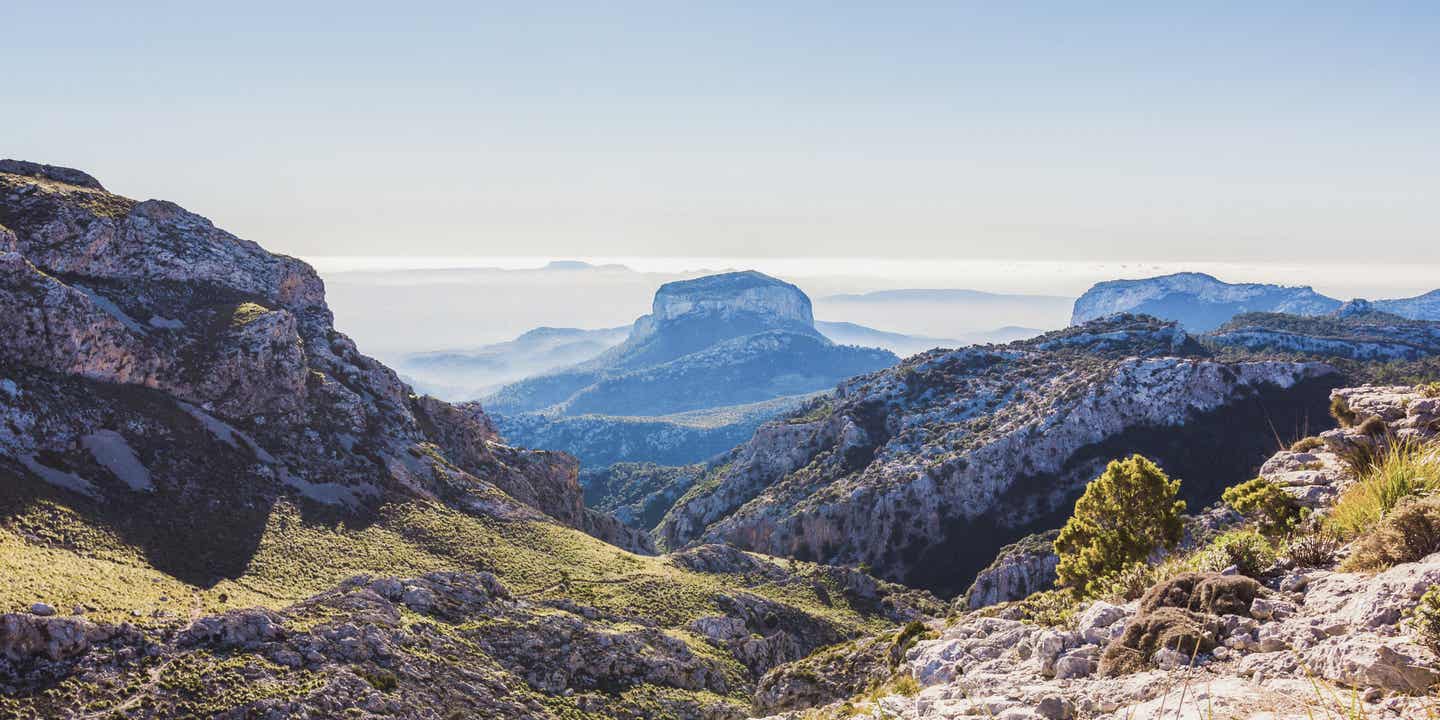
pixel 129 325
pixel 1199 302
pixel 1356 331
pixel 731 296
pixel 1307 641
pixel 923 471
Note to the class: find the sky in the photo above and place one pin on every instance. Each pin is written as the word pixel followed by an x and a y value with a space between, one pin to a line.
pixel 1207 132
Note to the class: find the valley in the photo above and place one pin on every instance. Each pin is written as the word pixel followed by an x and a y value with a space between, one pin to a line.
pixel 214 504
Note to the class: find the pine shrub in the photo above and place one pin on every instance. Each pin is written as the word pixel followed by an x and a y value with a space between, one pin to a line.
pixel 1125 514
pixel 1264 502
pixel 1247 550
pixel 1424 620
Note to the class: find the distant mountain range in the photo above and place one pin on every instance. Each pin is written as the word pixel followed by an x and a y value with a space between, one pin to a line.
pixel 465 374
pixel 943 295
pixel 965 317
pixel 1201 302
pixel 470 373
pixel 848 333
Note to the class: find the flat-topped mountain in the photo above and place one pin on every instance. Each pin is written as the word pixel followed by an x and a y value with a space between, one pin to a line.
pixel 1197 301
pixel 1201 302
pixel 730 345
pixel 692 315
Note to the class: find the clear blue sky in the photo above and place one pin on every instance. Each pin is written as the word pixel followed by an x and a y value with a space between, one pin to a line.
pixel 1216 131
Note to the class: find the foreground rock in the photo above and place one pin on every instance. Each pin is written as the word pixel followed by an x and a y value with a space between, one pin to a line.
pixel 1308 642
pixel 1340 631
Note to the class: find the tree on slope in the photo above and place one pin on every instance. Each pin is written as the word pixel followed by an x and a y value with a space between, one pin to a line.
pixel 1125 514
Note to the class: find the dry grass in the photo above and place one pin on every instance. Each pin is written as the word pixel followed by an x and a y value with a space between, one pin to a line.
pixel 1404 470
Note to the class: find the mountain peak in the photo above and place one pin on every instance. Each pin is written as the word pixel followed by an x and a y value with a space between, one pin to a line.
pixel 734 294
pixel 1198 301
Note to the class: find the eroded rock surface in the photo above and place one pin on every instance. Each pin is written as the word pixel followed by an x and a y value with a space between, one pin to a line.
pixel 147 351
pixel 925 470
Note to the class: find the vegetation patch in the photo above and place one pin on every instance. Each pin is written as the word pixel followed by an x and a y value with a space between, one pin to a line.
pixel 1405 469
pixel 246 313
pixel 1264 502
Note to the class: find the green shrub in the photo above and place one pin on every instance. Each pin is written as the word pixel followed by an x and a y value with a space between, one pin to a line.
pixel 1307 444
pixel 1126 584
pixel 1408 532
pixel 246 313
pixel 1126 514
pixel 1430 390
pixel 1250 552
pixel 1403 470
pixel 1264 502
pixel 1424 621
pixel 380 679
pixel 913 632
pixel 1055 608
pixel 1340 410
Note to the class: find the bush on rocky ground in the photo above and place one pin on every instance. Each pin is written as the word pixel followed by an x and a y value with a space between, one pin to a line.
pixel 1180 615
pixel 1408 533
pixel 1125 514
pixel 1424 621
pixel 1204 592
pixel 1175 629
pixel 1405 469
pixel 1264 502
pixel 1249 552
pixel 1053 608
pixel 1307 444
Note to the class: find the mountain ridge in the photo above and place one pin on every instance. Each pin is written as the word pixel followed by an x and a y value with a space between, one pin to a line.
pixel 1202 302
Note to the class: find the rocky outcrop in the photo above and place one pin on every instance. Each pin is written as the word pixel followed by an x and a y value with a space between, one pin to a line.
pixel 1356 332
pixel 748 299
pixel 1307 641
pixel 1315 473
pixel 440 645
pixel 1329 643
pixel 924 471
pixel 1018 571
pixel 184 347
